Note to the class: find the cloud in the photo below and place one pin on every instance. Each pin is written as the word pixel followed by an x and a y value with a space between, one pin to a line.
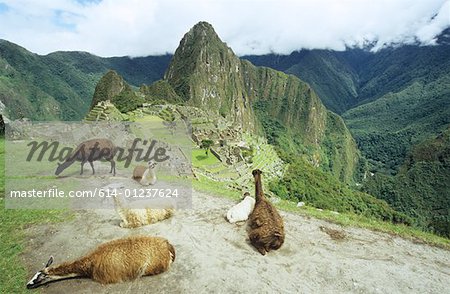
pixel 147 27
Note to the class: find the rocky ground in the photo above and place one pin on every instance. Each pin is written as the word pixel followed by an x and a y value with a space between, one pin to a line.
pixel 213 256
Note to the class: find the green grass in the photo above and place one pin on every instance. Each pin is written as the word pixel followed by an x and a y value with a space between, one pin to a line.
pixel 200 159
pixel 149 118
pixel 204 184
pixel 355 220
pixel 12 237
pixel 345 219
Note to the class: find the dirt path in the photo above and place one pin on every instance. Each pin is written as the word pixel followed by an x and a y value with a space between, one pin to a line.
pixel 214 256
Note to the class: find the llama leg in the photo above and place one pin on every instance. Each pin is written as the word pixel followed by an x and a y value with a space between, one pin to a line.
pixel 262 250
pixel 113 167
pixel 92 166
pixel 82 165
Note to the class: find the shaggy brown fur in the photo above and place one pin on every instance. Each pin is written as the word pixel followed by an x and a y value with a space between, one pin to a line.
pixel 90 151
pixel 138 217
pixel 266 225
pixel 115 261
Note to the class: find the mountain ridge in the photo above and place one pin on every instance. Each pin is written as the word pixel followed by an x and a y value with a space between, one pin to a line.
pixel 60 85
pixel 364 88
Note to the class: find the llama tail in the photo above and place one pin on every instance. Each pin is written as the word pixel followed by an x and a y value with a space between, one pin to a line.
pixel 277 241
pixel 229 216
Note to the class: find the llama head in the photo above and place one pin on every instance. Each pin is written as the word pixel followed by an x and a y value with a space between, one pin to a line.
pixel 41 277
pixel 62 166
pixel 59 169
pixel 152 165
pixel 256 172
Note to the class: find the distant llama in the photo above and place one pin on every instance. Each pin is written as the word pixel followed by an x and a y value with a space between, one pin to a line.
pixel 145 175
pixel 112 262
pixel 138 217
pixel 242 210
pixel 90 151
pixel 266 229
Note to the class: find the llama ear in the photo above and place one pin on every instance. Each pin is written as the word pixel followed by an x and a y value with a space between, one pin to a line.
pixel 49 262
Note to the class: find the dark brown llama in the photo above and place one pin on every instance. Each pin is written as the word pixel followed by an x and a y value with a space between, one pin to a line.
pixel 90 151
pixel 266 229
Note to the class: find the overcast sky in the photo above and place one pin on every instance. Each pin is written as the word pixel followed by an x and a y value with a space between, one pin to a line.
pixel 149 27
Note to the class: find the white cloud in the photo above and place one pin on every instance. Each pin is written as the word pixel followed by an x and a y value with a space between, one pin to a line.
pixel 145 27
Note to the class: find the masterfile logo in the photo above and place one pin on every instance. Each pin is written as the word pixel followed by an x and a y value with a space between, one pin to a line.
pixel 147 163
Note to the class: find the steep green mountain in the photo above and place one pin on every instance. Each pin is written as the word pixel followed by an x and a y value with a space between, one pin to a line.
pixel 160 91
pixel 422 187
pixel 60 85
pixel 328 72
pixel 30 88
pixel 205 73
pixel 113 87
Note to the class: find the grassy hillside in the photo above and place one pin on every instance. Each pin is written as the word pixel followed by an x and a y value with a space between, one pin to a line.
pixel 422 187
pixel 60 85
pixel 387 128
pixel 303 182
pixel 29 87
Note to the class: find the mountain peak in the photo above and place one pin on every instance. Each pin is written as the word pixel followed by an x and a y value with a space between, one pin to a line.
pixel 203 32
pixel 201 35
pixel 202 27
pixel 200 54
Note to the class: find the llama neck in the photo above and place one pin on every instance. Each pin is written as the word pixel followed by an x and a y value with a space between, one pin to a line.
pixel 120 209
pixel 259 194
pixel 68 163
pixel 117 202
pixel 149 173
pixel 77 268
pixel 61 167
pixel 149 177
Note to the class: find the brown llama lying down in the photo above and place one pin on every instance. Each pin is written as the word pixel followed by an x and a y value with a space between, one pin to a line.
pixel 112 262
pixel 266 229
pixel 90 151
